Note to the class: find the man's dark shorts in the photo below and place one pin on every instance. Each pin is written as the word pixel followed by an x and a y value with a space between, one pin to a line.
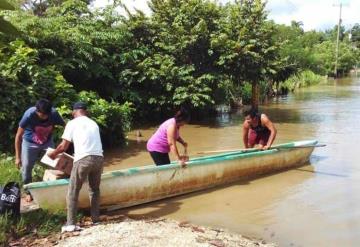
pixel 258 138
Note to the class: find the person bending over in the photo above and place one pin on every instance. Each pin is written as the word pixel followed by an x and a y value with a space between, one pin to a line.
pixel 164 139
pixel 258 129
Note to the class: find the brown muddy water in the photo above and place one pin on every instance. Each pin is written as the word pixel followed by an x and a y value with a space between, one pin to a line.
pixel 314 205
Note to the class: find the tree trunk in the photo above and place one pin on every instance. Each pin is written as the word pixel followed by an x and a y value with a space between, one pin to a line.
pixel 255 95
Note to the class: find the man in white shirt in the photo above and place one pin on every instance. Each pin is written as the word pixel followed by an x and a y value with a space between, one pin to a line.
pixel 88 162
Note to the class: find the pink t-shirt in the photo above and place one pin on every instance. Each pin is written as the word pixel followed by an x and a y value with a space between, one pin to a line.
pixel 158 142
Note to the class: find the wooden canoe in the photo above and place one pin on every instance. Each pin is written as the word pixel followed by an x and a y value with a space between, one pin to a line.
pixel 138 185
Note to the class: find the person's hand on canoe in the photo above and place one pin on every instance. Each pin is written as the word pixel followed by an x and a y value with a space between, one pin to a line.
pixel 183 159
pixel 266 147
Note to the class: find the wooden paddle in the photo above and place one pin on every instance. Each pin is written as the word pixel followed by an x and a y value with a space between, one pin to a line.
pixel 257 149
pixel 229 150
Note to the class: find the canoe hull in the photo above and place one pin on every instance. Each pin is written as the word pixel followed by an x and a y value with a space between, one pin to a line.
pixel 139 185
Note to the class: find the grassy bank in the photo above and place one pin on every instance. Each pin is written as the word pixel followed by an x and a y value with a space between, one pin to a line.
pixel 39 222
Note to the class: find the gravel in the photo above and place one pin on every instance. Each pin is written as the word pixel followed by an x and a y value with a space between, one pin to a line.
pixel 155 232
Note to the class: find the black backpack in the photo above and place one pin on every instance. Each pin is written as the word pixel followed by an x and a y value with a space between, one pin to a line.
pixel 10 196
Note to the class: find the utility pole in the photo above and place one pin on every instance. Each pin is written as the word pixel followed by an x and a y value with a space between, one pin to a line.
pixel 337 43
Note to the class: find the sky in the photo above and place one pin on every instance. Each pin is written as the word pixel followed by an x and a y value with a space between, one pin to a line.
pixel 314 14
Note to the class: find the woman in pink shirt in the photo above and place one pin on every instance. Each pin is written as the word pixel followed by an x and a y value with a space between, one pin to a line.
pixel 164 139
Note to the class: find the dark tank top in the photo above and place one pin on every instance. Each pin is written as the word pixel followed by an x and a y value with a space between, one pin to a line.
pixel 259 128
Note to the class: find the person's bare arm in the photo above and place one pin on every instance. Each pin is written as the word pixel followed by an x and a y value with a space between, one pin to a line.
pixel 266 122
pixel 185 156
pixel 171 135
pixel 62 147
pixel 184 143
pixel 246 128
pixel 18 141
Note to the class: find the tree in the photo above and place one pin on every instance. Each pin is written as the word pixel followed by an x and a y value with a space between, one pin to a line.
pixel 39 7
pixel 64 43
pixel 325 57
pixel 5 26
pixel 79 43
pixel 245 44
pixel 182 59
pixel 355 35
pixel 296 51
pixel 331 34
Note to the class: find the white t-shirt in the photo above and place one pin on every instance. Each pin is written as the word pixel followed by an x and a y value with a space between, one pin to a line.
pixel 84 133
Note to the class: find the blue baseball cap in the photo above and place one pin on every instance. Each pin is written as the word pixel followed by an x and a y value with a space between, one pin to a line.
pixel 79 105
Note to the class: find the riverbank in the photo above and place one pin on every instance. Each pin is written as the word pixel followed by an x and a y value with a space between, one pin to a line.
pixel 123 231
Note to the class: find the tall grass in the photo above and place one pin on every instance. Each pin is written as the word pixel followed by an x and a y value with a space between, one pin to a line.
pixel 303 79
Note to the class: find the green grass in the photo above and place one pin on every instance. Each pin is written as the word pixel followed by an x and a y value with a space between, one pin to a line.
pixel 8 170
pixel 42 221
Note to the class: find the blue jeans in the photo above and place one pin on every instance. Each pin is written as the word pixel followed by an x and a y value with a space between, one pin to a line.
pixel 88 168
pixel 30 152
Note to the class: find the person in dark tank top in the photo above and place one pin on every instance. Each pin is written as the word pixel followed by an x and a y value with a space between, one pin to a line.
pixel 258 129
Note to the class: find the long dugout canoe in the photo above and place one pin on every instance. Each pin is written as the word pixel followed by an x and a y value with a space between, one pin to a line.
pixel 133 186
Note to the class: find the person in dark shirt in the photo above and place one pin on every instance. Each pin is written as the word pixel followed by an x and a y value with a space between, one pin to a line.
pixel 258 129
pixel 34 135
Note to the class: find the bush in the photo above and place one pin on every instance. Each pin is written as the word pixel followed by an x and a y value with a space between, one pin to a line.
pixel 303 79
pixel 114 119
pixel 23 81
pixel 14 98
pixel 309 78
pixel 246 93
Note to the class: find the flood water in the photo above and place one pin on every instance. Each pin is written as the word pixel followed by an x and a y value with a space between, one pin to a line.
pixel 314 205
